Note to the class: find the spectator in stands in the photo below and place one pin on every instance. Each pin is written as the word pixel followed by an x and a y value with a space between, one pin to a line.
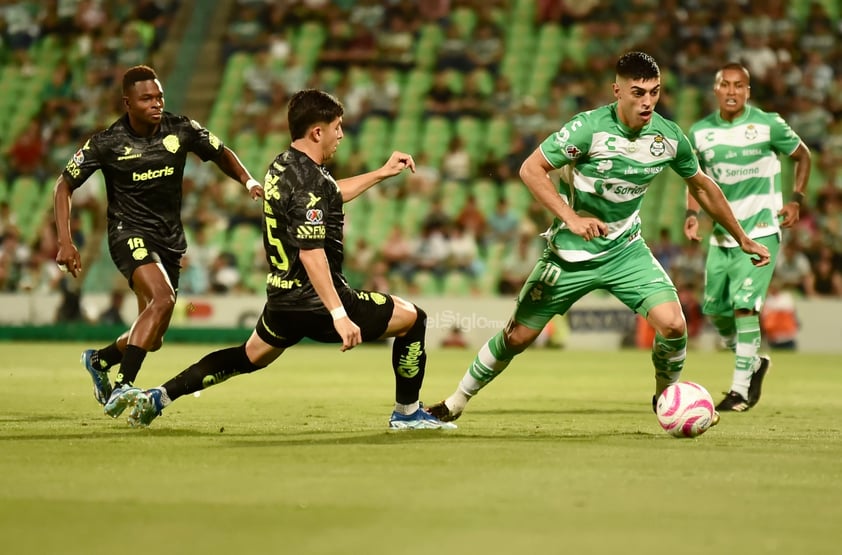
pixel 464 252
pixel 440 99
pixel 826 277
pixel 502 224
pixel 486 51
pixel 396 44
pixel 246 33
pixel 396 253
pixel 792 268
pixel 8 219
pixel 224 275
pixel 472 220
pixel 778 319
pixel 454 339
pixel 26 155
pixel 456 163
pixel 519 261
pixel 426 178
pixel 429 253
pixel 665 249
pixel 112 315
pixel 452 53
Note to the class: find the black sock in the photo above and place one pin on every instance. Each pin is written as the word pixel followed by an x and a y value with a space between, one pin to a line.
pixel 212 369
pixel 409 361
pixel 130 366
pixel 108 356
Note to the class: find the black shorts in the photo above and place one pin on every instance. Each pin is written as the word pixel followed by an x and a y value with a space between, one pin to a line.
pixel 130 250
pixel 370 310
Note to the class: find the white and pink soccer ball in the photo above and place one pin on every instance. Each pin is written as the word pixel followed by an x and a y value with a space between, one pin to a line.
pixel 685 409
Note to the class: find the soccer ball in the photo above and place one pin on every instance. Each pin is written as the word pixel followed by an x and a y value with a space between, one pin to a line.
pixel 685 409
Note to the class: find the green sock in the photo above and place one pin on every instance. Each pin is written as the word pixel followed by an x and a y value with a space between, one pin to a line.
pixel 668 356
pixel 748 343
pixel 491 360
pixel 726 327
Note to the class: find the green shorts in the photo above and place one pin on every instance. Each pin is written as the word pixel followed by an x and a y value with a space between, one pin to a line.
pixel 732 282
pixel 633 275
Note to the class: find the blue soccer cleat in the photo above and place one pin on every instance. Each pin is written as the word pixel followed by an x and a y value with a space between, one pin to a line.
pixel 121 398
pixel 418 420
pixel 102 387
pixel 147 408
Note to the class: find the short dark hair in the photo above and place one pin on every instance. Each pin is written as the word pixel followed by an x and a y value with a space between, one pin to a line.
pixel 136 74
pixel 309 107
pixel 637 65
pixel 733 65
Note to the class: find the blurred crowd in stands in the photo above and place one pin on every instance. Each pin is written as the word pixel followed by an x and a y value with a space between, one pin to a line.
pixel 486 68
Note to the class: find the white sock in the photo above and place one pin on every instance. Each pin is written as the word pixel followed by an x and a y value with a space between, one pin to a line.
pixel 407 409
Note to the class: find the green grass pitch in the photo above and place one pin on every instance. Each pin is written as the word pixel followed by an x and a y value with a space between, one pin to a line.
pixel 560 455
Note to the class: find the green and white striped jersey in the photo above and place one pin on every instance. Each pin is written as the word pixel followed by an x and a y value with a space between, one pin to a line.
pixel 608 170
pixel 742 157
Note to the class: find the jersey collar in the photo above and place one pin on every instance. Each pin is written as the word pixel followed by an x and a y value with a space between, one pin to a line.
pixel 626 130
pixel 738 120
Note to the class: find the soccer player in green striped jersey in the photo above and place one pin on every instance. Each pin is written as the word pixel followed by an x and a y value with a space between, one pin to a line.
pixel 608 156
pixel 738 145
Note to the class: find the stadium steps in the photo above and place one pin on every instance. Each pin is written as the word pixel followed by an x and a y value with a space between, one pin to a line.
pixel 198 64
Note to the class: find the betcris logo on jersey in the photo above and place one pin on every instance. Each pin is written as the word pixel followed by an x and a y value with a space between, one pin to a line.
pixel 166 171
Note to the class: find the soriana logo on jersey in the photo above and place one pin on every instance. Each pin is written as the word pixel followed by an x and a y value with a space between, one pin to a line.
pixel 314 216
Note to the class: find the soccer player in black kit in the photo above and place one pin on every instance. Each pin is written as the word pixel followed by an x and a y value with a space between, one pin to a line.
pixel 307 294
pixel 142 157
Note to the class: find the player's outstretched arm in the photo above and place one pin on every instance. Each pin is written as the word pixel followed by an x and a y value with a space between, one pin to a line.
pixel 534 172
pixel 352 187
pixel 711 199
pixel 230 164
pixel 67 258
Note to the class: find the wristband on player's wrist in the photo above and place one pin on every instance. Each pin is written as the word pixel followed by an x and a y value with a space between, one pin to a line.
pixel 251 184
pixel 797 197
pixel 688 213
pixel 338 313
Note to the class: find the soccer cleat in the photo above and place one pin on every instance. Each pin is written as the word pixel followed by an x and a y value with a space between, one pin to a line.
pixel 146 409
pixel 418 420
pixel 714 419
pixel 102 387
pixel 441 412
pixel 757 380
pixel 121 398
pixel 733 401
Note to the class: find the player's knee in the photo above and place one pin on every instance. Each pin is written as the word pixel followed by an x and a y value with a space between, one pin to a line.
pixel 518 337
pixel 673 328
pixel 418 329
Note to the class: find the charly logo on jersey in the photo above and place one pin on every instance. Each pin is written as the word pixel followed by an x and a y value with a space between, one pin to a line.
pixel 313 200
pixel 171 143
pixel 314 216
pixel 657 148
pixel 128 154
pixel 751 132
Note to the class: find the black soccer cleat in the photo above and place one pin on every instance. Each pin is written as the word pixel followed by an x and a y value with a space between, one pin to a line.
pixel 733 401
pixel 757 380
pixel 441 412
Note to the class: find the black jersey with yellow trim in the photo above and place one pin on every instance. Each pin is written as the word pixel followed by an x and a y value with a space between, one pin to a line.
pixel 143 175
pixel 302 210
